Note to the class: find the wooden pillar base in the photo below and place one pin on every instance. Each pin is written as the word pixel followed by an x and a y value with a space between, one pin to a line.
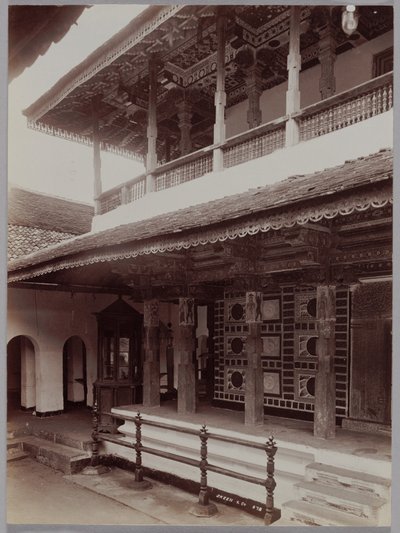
pixel 324 414
pixel 151 383
pixel 218 160
pixel 186 388
pixel 254 397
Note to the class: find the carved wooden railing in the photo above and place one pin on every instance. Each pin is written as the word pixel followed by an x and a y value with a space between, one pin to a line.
pixel 186 168
pixel 254 143
pixel 126 193
pixel 337 112
pixel 350 107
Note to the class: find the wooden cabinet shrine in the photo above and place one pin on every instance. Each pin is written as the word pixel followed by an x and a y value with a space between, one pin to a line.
pixel 119 368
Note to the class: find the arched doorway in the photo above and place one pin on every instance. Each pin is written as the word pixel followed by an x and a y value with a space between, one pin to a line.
pixel 21 374
pixel 74 373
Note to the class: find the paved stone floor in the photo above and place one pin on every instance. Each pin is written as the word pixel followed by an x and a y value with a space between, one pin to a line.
pixel 39 495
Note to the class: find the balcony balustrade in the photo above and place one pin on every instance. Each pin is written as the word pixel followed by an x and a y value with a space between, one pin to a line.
pixel 337 112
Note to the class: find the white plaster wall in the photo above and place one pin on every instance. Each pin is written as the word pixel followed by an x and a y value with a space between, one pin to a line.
pixel 351 68
pixel 358 140
pixel 28 374
pixel 48 319
pixel 75 369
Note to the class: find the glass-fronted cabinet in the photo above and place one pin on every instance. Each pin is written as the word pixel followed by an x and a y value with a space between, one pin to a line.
pixel 119 380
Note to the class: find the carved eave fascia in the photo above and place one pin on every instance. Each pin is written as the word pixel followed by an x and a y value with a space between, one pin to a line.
pixel 142 26
pixel 288 217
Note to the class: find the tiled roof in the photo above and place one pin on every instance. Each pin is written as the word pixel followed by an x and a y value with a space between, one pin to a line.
pixel 37 210
pixel 327 186
pixel 24 240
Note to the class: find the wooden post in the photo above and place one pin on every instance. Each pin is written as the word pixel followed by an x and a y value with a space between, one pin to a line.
pixel 325 384
pixel 294 67
pixel 254 91
pixel 151 365
pixel 185 125
pixel 327 58
pixel 254 392
pixel 97 189
pixel 254 395
pixel 220 94
pixel 187 400
pixel 151 159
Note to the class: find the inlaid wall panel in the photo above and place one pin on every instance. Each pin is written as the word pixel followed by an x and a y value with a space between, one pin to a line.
pixel 289 341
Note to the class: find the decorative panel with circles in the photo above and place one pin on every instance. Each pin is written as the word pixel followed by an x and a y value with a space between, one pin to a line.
pixel 305 346
pixel 305 306
pixel 235 379
pixel 236 311
pixel 235 345
pixel 305 385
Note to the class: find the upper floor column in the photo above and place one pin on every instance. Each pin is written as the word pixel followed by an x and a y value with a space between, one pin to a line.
pixel 220 94
pixel 294 67
pixel 97 188
pixel 326 54
pixel 151 158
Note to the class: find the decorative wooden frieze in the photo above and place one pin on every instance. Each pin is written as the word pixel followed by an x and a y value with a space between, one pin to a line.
pixel 151 317
pixel 254 307
pixel 186 311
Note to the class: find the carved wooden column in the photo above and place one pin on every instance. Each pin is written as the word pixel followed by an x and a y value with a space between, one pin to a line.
pixel 151 364
pixel 220 94
pixel 327 58
pixel 186 344
pixel 151 159
pixel 185 125
pixel 254 394
pixel 325 383
pixel 294 67
pixel 254 91
pixel 97 189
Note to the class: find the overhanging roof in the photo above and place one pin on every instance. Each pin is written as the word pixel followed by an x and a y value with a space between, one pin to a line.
pixel 354 186
pixel 183 39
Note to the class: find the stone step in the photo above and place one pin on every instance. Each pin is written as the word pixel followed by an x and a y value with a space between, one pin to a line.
pixel 58 456
pixel 342 477
pixel 363 505
pixel 300 512
pixel 59 438
pixel 15 451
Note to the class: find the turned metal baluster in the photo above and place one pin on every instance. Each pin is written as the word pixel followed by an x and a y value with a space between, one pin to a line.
pixel 138 448
pixel 203 494
pixel 373 104
pixel 384 99
pixel 94 460
pixel 270 483
pixel 390 97
pixel 379 100
pixel 203 507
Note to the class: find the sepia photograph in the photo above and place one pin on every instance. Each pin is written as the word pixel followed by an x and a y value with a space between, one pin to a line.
pixel 199 290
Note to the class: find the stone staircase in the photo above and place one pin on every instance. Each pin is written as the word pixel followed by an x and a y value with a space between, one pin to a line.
pixel 58 451
pixel 334 496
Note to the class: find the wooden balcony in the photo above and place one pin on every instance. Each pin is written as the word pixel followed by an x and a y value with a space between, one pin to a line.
pixel 332 114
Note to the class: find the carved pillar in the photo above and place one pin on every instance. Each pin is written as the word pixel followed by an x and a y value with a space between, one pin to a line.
pixel 254 394
pixel 294 67
pixel 327 58
pixel 220 94
pixel 254 91
pixel 97 189
pixel 186 345
pixel 151 365
pixel 325 383
pixel 151 159
pixel 185 125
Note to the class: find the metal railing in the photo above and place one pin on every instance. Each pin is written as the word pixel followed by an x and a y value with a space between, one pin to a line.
pixel 203 507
